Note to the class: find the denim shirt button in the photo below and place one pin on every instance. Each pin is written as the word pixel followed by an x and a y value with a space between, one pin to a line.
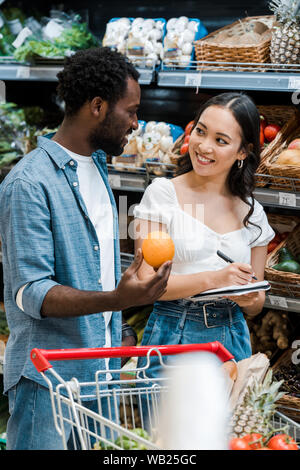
pixel 96 247
pixel 71 163
pixel 214 315
pixel 75 184
pixel 99 281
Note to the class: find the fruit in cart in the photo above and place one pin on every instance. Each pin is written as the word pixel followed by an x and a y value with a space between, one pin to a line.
pixel 282 442
pixel 158 248
pixel 238 443
pixel 271 131
pixel 285 41
pixel 295 144
pixel 255 412
pixel 254 440
pixel 289 157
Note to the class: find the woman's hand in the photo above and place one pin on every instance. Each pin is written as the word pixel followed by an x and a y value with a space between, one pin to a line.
pixel 234 274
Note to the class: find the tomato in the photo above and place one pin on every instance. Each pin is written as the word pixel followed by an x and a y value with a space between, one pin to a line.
pixel 261 137
pixel 271 131
pixel 254 440
pixel 184 148
pixel 188 128
pixel 186 139
pixel 282 442
pixel 271 246
pixel 238 443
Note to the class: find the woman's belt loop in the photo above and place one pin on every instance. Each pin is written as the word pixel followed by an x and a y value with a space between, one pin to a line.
pixel 183 318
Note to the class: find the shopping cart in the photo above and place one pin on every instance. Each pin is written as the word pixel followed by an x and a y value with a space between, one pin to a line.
pixel 127 413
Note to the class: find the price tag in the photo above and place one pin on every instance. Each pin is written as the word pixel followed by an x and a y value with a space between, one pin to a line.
pixel 277 301
pixel 287 199
pixel 114 181
pixel 294 83
pixel 23 71
pixel 193 79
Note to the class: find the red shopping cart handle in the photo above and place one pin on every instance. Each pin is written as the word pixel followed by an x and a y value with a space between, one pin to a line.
pixel 41 357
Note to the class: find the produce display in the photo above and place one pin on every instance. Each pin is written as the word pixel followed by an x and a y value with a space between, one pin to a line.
pixel 147 145
pixel 61 36
pixel 290 375
pixel 149 41
pixel 285 42
pixel 178 44
pixel 270 332
pixel 138 38
pixel 27 38
pixel 278 238
pixel 268 131
pixel 287 262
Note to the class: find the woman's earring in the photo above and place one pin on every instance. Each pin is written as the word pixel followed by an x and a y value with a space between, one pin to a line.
pixel 240 163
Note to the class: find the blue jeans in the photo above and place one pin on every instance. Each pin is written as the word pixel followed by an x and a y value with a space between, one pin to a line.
pixel 31 423
pixel 186 322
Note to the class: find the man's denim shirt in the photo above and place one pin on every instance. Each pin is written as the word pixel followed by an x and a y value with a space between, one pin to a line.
pixel 47 240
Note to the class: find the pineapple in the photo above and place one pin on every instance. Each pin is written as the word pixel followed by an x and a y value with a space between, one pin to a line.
pixel 255 412
pixel 285 41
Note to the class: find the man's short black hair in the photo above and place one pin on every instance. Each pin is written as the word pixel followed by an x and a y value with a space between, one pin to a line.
pixel 94 72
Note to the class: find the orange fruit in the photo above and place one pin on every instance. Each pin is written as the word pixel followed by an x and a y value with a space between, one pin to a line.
pixel 158 248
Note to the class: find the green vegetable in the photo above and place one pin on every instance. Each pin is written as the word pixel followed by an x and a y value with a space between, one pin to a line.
pixel 287 263
pixel 285 255
pixel 290 266
pixel 125 442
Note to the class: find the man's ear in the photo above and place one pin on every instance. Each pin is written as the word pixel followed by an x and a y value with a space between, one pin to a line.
pixel 98 108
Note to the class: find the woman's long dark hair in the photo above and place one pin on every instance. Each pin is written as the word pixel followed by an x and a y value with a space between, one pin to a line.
pixel 241 181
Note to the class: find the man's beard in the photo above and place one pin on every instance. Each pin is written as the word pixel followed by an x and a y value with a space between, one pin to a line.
pixel 106 137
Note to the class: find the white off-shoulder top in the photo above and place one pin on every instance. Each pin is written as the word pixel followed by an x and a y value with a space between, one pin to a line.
pixel 196 244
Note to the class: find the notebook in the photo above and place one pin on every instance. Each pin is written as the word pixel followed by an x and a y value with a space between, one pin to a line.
pixel 232 290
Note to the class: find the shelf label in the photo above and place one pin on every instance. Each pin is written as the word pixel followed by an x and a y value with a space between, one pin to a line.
pixel 23 71
pixel 115 181
pixel 287 199
pixel 193 79
pixel 277 301
pixel 294 83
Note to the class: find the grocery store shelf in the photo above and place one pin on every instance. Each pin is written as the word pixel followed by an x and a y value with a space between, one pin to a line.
pixel 49 73
pixel 275 198
pixel 268 81
pixel 232 76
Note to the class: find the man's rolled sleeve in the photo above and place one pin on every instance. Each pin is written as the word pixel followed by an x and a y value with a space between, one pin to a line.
pixel 33 296
pixel 28 243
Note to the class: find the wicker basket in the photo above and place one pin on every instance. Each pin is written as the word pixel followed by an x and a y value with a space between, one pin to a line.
pixel 288 133
pixel 275 114
pixel 207 50
pixel 284 281
pixel 288 404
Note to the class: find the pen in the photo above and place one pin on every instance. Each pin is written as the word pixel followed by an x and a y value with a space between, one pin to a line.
pixel 229 260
